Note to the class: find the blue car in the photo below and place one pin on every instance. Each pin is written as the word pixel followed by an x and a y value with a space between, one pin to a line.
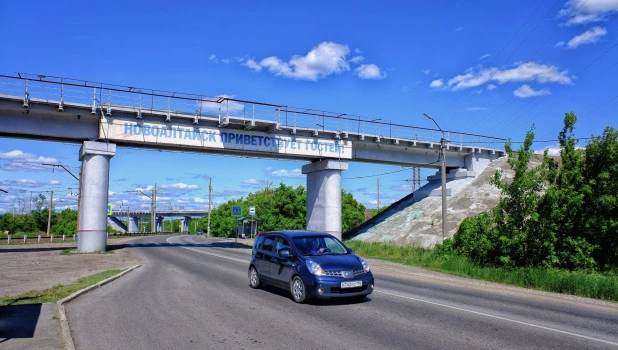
pixel 309 265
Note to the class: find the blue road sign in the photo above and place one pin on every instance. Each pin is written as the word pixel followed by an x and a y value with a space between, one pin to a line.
pixel 236 211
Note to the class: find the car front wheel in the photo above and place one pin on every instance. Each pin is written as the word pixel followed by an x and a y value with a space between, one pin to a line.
pixel 299 292
pixel 254 278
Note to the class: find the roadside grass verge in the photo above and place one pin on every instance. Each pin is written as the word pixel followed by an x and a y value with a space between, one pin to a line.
pixel 580 283
pixel 73 251
pixel 57 292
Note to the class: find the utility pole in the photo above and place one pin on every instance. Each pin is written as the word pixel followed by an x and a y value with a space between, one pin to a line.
pixel 209 205
pixel 78 190
pixel 378 193
pixel 51 200
pixel 443 171
pixel 152 210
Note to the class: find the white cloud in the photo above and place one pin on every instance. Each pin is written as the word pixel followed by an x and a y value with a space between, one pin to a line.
pixel 217 60
pixel 54 182
pixel 181 186
pixel 525 91
pixel 529 71
pixel 285 172
pixel 560 44
pixel 20 183
pixel 254 182
pixel 437 83
pixel 252 65
pixel 491 87
pixel 587 11
pixel 552 151
pixel 426 71
pixel 484 56
pixel 229 107
pixel 474 109
pixel 370 71
pixel 19 160
pixel 323 60
pixel 357 59
pixel 588 37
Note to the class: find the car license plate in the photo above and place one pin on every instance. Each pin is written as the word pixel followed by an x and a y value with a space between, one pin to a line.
pixel 351 284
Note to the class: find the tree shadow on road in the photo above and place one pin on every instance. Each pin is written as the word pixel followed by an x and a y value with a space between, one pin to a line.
pixel 18 321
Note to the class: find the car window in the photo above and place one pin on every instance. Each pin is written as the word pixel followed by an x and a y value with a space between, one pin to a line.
pixel 268 244
pixel 319 245
pixel 281 243
pixel 258 243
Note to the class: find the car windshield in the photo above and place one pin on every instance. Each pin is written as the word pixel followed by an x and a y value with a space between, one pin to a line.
pixel 319 245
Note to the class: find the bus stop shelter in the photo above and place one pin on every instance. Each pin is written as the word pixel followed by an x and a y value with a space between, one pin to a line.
pixel 246 226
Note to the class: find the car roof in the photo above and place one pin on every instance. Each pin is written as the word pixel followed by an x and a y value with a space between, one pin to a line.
pixel 298 233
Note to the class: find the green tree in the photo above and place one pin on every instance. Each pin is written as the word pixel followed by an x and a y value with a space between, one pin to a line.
pixel 65 222
pixel 601 197
pixel 352 211
pixel 562 207
pixel 516 217
pixel 282 208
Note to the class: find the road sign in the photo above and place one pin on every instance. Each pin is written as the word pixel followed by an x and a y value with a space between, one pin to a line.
pixel 110 209
pixel 252 211
pixel 236 211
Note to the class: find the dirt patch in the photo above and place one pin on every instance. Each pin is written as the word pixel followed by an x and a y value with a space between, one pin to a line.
pixel 28 267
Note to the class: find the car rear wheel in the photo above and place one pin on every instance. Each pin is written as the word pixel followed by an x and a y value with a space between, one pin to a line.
pixel 299 292
pixel 254 278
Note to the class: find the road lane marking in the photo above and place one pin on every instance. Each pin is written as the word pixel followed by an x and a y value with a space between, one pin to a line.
pixel 210 253
pixel 498 317
pixel 439 304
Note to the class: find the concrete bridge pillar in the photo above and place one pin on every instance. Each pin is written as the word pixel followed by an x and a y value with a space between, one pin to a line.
pixel 184 224
pixel 324 195
pixel 159 224
pixel 94 187
pixel 133 223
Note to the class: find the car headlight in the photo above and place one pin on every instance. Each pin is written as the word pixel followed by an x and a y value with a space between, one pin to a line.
pixel 364 263
pixel 315 268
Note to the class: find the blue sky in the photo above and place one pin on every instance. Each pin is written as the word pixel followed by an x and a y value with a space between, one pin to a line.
pixel 484 67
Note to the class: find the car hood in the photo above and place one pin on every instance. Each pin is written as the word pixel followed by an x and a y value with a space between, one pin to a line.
pixel 337 262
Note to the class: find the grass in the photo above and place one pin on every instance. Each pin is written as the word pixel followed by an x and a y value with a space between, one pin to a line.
pixel 73 251
pixel 57 292
pixel 585 284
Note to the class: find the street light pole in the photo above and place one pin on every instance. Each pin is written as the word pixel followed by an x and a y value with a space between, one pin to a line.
pixel 443 171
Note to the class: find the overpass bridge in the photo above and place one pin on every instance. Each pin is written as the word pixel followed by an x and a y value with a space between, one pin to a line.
pixel 103 116
pixel 133 218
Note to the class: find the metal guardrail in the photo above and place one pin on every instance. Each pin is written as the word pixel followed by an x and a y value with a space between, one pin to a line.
pixel 108 97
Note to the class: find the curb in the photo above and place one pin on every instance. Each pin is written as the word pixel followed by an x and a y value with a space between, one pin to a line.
pixel 64 322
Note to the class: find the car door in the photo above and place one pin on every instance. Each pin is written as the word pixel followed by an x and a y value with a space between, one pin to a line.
pixel 282 267
pixel 267 256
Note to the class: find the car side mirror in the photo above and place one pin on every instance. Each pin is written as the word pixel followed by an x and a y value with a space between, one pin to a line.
pixel 350 251
pixel 285 253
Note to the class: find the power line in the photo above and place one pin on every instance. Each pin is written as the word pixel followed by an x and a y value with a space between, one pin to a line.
pixel 518 47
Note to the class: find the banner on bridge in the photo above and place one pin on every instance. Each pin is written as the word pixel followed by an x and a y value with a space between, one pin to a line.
pixel 221 139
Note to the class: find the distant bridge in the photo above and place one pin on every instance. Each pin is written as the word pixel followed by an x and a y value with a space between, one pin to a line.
pixel 184 215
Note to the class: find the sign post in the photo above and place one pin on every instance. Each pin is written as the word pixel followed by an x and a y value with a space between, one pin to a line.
pixel 252 214
pixel 236 210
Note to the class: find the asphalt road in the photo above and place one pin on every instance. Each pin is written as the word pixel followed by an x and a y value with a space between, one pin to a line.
pixel 196 296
